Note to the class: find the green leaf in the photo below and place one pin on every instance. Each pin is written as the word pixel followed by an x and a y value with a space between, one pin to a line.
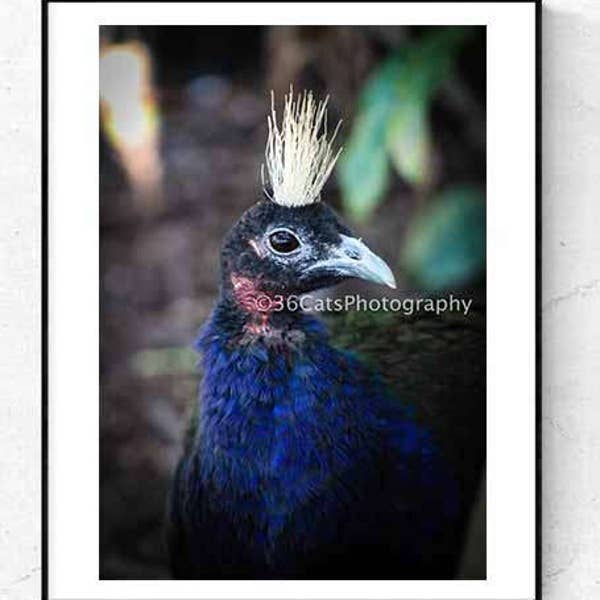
pixel 363 170
pixel 380 91
pixel 409 142
pixel 392 121
pixel 427 64
pixel 431 59
pixel 445 246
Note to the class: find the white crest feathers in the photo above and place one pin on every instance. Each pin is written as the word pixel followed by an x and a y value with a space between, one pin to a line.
pixel 299 158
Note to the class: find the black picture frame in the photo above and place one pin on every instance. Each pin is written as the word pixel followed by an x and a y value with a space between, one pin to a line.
pixel 45 273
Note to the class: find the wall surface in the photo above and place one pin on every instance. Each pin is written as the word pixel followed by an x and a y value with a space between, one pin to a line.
pixel 20 295
pixel 571 299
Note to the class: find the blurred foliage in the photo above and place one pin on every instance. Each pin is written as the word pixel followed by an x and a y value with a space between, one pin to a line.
pixel 445 245
pixel 164 361
pixel 445 240
pixel 392 120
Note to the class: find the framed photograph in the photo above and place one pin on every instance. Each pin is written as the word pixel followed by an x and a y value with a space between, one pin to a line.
pixel 291 300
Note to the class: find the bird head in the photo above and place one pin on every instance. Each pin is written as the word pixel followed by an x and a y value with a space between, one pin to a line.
pixel 290 242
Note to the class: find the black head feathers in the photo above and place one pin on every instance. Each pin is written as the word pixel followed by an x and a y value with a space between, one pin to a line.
pixel 290 243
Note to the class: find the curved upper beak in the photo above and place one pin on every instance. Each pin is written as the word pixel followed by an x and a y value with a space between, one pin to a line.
pixel 353 258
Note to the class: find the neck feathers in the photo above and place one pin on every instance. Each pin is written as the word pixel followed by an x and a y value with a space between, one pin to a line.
pixel 233 326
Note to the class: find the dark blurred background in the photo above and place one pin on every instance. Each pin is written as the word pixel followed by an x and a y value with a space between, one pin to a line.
pixel 183 130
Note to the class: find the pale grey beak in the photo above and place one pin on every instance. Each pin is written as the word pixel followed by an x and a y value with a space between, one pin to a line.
pixel 352 258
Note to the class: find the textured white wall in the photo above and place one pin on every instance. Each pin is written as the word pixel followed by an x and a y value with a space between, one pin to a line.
pixel 571 299
pixel 20 309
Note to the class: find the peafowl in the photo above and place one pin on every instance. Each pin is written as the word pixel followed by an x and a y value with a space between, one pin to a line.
pixel 300 461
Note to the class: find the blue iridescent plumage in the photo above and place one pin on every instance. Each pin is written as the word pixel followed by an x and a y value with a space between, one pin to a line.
pixel 303 466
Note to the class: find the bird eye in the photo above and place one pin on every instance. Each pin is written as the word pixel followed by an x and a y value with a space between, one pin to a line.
pixel 283 241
